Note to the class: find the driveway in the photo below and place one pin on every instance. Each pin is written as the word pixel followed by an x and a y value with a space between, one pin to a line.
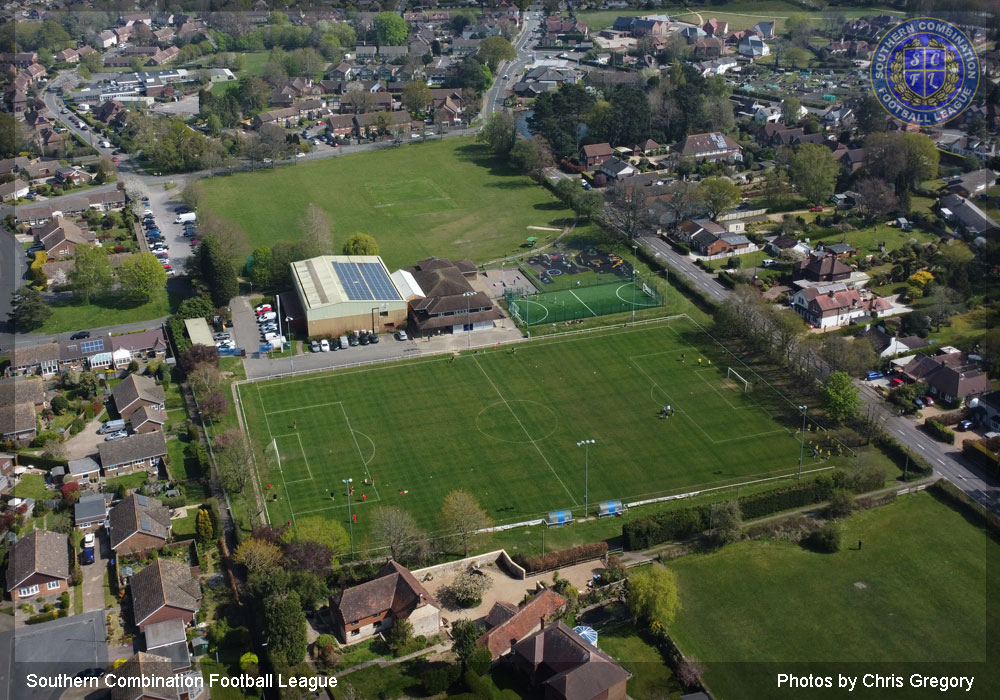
pixel 244 331
pixel 67 645
pixel 84 443
pixel 93 575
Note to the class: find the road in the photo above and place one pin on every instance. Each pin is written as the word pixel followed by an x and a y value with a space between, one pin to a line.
pixel 946 459
pixel 493 101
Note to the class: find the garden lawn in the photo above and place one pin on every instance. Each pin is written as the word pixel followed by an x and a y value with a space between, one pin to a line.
pixel 505 428
pixel 394 681
pixel 866 240
pixel 915 593
pixel 32 486
pixel 75 315
pixel 186 526
pixel 651 678
pixel 131 481
pixel 447 198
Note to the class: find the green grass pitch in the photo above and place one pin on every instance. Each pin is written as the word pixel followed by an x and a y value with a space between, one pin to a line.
pixel 505 425
pixel 582 302
pixel 913 599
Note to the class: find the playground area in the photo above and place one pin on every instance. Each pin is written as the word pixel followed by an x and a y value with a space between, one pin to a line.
pixel 549 266
pixel 583 301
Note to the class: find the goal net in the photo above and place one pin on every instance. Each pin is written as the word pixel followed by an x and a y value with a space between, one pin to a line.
pixel 732 374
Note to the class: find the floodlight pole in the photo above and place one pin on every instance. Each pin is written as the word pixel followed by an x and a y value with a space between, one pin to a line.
pixel 802 443
pixel 635 274
pixel 585 444
pixel 468 314
pixel 291 344
pixel 350 518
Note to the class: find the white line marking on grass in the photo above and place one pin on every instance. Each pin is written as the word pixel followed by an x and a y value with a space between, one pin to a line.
pixel 256 467
pixel 368 437
pixel 302 408
pixel 305 459
pixel 582 302
pixel 284 484
pixel 683 414
pixel 358 446
pixel 298 481
pixel 534 444
pixel 755 435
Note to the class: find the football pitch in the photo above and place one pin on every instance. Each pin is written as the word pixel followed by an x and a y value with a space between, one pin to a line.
pixel 583 302
pixel 504 424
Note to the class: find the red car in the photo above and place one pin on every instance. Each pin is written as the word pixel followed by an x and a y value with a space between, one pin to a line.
pixel 928 400
pixel 895 381
pixel 115 159
pixel 167 266
pixel 817 208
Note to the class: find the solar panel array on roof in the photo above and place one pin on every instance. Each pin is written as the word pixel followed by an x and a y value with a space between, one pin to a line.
pixel 95 345
pixel 140 499
pixel 145 525
pixel 720 141
pixel 365 281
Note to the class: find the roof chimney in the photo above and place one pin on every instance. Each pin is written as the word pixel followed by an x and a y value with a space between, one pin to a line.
pixel 830 294
pixel 541 622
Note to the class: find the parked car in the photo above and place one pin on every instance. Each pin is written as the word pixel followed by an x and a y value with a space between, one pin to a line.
pixel 324 345
pixel 818 207
pixel 222 336
pixel 314 346
pixel 353 340
pixel 168 267
pixel 373 337
pixel 87 557
pixel 895 382
pixel 401 335
pixel 964 425
pixel 116 435
pixel 263 307
pixel 918 402
pixel 80 335
pixel 267 316
pixel 89 539
pixel 364 338
pixel 873 375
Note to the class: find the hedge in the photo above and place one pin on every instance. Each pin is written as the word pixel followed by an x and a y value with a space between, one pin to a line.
pixel 41 461
pixel 795 496
pixel 980 454
pixel 939 431
pixel 895 451
pixel 947 491
pixel 681 248
pixel 562 557
pixel 45 617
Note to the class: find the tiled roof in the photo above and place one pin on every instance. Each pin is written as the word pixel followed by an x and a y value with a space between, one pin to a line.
pixel 14 391
pixel 394 589
pixel 498 639
pixel 135 387
pixel 132 448
pixel 164 582
pixel 16 418
pixel 138 513
pixel 38 552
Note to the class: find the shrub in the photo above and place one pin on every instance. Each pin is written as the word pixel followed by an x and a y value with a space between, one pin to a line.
pixel 42 617
pixel 77 576
pixel 937 430
pixel 825 540
pixel 767 502
pixel 479 662
pixel 399 636
pixel 563 557
pixel 918 466
pixel 59 405
pixel 439 678
pixel 841 504
pixel 64 600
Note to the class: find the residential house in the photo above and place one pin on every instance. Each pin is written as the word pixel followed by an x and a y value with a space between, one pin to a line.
pixel 146 419
pixel 143 345
pixel 91 510
pixel 971 184
pixel 128 20
pixel 821 268
pixel 692 34
pixel 373 607
pixel 164 56
pixel 716 27
pixel 106 39
pixel 836 117
pixel 38 564
pixel 544 78
pixel 559 28
pixel 853 159
pixel 148 676
pixel 765 29
pixel 974 146
pixel 767 114
pixel 14 190
pixel 828 306
pixel 639 27
pixel 17 423
pixel 646 148
pixel 343 71
pixel 169 639
pixel 593 155
pixel 164 590
pixel 29 391
pixel 60 237
pixel 753 46
pixel 887 346
pixel 129 454
pixel 365 54
pixel 84 469
pixel 967 217
pixel 110 112
pixel 138 523
pixel 710 147
pixel 781 243
pixel 36 359
pixel 24 59
pixel 564 666
pixel 950 374
pixel 67 56
pixel 7 464
pixel 135 391
pixel 509 624
pixel 464 47
pixel 988 411
pixel 616 169
pixel 841 250
pixel 73 175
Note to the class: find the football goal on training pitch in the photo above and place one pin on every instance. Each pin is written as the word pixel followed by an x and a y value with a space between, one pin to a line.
pixel 734 376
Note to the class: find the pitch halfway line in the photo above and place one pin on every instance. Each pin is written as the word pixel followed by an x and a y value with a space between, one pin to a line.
pixel 582 302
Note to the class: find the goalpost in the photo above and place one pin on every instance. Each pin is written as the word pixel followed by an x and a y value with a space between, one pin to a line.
pixel 730 373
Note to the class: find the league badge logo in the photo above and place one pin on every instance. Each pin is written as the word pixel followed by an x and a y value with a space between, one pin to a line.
pixel 925 71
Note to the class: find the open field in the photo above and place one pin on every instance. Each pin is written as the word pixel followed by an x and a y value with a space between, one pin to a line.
pixel 447 198
pixel 73 315
pixel 916 593
pixel 504 426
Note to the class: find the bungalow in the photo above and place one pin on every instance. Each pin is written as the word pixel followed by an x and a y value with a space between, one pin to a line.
pixel 129 454
pixel 36 359
pixel 138 523
pixel 164 590
pixel 950 374
pixel 841 250
pixel 84 469
pixel 135 391
pixel 128 20
pixel 38 564
pixel 887 346
pixel 821 268
pixel 781 243
pixel 710 146
pixel 148 676
pixel 164 56
pixel 14 190
pixel 73 175
pixel 967 217
pixel 689 228
pixel 616 169
pixel 373 607
pixel 510 624
pixel 29 391
pixel 973 183
pixel 565 666
pixel 90 510
pixel 17 423
pixel 147 344
pixel 593 155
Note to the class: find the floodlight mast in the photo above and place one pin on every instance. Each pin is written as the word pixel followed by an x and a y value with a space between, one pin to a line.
pixel 802 443
pixel 585 444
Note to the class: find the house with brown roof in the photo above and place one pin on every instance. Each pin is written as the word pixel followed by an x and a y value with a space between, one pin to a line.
pixel 146 419
pixel 164 590
pixel 129 454
pixel 17 423
pixel 36 359
pixel 564 666
pixel 68 56
pixel 443 300
pixel 710 146
pixel 29 391
pixel 593 155
pixel 61 237
pixel 821 268
pixel 13 190
pixel 950 374
pixel 373 607
pixel 38 565
pixel 148 676
pixel 135 391
pixel 138 523
pixel 512 627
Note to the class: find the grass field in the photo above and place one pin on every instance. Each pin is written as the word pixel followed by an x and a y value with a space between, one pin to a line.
pixel 447 198
pixel 32 486
pixel 583 302
pixel 497 424
pixel 916 592
pixel 73 315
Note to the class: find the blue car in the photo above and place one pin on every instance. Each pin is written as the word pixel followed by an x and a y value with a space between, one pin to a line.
pixel 87 556
pixel 153 232
pixel 873 375
pixel 918 403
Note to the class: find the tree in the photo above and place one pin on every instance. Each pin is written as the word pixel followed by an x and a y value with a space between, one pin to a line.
pixel 397 530
pixel 499 133
pixel 799 58
pixel 399 635
pixel 799 27
pixel 841 504
pixel 217 270
pixel 652 597
pixel 904 159
pixel 871 117
pixel 791 110
pixel 205 379
pixel 726 522
pixel 841 399
pixel 468 588
pixel 214 405
pixel 258 556
pixel 875 198
pixel 70 493
pixel 855 357
pixel 417 96
pixel 59 404
pixel 28 310
pixel 314 557
pixel 588 205
pixel 238 458
pixel 524 156
pixel 718 194
pixel 317 233
pixel 494 50
pixel 361 244
pixel 626 211
pixel 204 527
pixel 248 660
pixel 390 29
pixel 814 172
pixel 461 517
pixel 941 303
pixel 197 356
pixel 141 276
pixel 285 622
pixel 464 634
pixel 261 267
